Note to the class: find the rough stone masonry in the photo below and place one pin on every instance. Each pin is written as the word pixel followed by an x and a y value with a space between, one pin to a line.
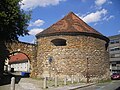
pixel 70 47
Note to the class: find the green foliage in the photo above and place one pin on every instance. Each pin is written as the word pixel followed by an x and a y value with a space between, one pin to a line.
pixel 13 20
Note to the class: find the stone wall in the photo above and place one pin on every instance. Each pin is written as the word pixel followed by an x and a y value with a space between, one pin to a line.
pixel 26 48
pixel 82 56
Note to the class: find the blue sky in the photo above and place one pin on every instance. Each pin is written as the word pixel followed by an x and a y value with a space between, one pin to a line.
pixel 102 15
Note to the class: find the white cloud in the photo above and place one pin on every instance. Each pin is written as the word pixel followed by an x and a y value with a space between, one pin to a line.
pixel 118 31
pixel 107 18
pixel 31 4
pixel 95 24
pixel 110 2
pixel 100 2
pixel 94 17
pixel 35 31
pixel 37 23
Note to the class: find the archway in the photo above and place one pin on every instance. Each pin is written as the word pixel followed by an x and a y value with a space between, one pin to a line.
pixel 18 62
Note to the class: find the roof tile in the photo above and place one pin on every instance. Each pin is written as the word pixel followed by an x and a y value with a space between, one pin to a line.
pixel 70 23
pixel 19 57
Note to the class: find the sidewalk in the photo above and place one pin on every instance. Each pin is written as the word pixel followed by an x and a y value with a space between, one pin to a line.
pixel 71 87
pixel 32 84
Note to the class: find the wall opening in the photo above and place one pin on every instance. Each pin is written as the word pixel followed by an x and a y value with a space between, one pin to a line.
pixel 18 62
pixel 59 42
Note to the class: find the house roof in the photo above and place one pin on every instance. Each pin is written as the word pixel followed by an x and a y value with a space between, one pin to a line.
pixel 18 58
pixel 71 24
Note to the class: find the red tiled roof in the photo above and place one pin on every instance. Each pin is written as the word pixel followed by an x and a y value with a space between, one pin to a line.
pixel 71 23
pixel 19 57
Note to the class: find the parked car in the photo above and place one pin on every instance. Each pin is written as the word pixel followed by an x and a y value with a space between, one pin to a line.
pixel 25 74
pixel 115 76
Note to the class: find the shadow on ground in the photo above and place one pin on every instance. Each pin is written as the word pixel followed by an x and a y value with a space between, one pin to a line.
pixel 6 79
pixel 118 88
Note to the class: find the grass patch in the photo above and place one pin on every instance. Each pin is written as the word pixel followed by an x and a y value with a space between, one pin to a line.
pixel 38 78
pixel 105 81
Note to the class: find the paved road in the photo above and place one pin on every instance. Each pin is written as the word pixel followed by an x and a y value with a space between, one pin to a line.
pixel 32 84
pixel 114 85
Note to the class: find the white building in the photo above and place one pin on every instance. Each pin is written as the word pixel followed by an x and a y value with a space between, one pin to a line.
pixel 19 62
pixel 114 53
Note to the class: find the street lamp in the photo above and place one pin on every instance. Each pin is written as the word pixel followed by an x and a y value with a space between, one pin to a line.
pixel 87 71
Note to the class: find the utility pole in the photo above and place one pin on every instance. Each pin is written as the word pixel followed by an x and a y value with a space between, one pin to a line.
pixel 87 73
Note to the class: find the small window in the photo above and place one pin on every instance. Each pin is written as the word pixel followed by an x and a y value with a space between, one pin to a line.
pixel 113 64
pixel 114 49
pixel 59 42
pixel 118 62
pixel 117 55
pixel 114 41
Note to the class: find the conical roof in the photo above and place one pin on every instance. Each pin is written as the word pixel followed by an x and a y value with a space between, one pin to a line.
pixel 70 24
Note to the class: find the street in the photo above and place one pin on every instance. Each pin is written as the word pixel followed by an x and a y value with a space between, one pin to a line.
pixel 114 85
pixel 23 83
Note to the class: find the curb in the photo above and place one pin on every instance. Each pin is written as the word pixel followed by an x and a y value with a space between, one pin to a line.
pixel 77 87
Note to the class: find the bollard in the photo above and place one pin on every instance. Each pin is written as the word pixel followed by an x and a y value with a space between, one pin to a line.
pixel 45 83
pixel 78 80
pixel 72 79
pixel 56 81
pixel 13 83
pixel 65 80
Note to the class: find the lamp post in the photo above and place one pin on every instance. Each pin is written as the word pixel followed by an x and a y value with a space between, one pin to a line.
pixel 87 72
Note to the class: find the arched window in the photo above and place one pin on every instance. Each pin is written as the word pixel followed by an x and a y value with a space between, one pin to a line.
pixel 59 42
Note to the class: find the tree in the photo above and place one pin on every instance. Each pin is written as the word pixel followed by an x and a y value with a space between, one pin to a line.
pixel 13 20
pixel 13 23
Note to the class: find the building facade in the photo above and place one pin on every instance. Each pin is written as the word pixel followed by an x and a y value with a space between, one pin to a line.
pixel 19 62
pixel 114 53
pixel 71 47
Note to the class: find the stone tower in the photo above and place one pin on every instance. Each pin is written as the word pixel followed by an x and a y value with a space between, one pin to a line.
pixel 71 47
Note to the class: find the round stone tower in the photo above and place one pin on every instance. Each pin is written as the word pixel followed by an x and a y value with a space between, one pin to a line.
pixel 70 47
